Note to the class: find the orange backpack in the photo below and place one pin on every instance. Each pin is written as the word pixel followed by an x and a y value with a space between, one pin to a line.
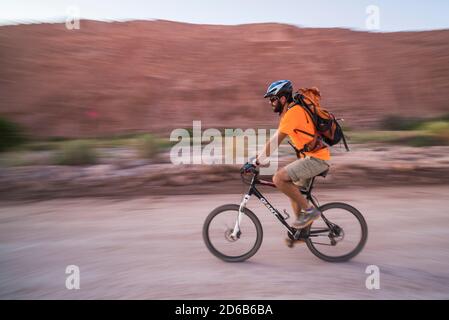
pixel 328 130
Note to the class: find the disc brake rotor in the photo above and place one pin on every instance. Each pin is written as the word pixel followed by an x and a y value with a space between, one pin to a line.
pixel 229 237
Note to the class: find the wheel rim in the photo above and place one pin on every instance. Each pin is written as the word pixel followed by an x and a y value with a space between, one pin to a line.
pixel 346 235
pixel 219 234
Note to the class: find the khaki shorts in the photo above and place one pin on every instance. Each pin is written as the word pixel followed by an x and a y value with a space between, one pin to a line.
pixel 302 170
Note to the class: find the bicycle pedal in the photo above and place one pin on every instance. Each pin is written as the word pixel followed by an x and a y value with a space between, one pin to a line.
pixel 291 243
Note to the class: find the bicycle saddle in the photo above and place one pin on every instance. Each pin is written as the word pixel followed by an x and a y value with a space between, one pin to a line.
pixel 305 189
pixel 323 174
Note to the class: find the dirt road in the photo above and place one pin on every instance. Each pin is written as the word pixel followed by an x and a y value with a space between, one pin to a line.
pixel 151 248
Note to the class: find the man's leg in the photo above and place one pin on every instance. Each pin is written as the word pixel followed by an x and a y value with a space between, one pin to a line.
pixel 296 207
pixel 300 170
pixel 284 183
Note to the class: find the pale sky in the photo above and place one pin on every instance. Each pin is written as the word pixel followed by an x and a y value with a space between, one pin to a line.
pixel 394 15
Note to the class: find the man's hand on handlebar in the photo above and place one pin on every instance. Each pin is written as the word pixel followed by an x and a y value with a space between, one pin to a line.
pixel 250 167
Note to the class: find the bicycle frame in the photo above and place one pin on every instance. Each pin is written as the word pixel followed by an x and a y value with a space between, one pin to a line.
pixel 254 191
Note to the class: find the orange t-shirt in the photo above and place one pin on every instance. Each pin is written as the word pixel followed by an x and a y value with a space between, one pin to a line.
pixel 298 118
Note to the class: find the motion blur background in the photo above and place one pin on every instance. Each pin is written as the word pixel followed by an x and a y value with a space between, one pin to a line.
pixel 91 90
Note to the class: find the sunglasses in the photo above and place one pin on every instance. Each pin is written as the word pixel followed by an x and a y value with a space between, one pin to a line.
pixel 273 99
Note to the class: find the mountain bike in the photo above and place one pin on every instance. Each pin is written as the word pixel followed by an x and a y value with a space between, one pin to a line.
pixel 233 233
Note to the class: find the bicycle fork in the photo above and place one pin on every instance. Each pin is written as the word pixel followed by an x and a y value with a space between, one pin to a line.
pixel 236 232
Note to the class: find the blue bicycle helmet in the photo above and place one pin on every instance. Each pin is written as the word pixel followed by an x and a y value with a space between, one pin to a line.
pixel 279 88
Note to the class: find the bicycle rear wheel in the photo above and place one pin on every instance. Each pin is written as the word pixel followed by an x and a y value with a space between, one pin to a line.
pixel 339 235
pixel 218 227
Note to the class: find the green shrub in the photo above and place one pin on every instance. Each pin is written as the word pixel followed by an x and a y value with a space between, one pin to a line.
pixel 15 159
pixel 148 146
pixel 372 136
pixel 77 152
pixel 40 146
pixel 345 127
pixel 57 139
pixel 436 127
pixel 422 141
pixel 11 135
pixel 394 122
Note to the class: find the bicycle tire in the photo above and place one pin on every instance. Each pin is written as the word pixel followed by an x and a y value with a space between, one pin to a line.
pixel 360 245
pixel 217 253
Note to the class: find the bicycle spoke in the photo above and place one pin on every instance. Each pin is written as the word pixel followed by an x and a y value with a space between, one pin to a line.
pixel 345 230
pixel 232 247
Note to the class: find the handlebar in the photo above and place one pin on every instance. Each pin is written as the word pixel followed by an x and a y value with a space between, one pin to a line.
pixel 253 173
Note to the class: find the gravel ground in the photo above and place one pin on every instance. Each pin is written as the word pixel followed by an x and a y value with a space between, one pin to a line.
pixel 151 248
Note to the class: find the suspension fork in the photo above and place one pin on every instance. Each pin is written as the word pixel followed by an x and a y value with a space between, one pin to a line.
pixel 236 232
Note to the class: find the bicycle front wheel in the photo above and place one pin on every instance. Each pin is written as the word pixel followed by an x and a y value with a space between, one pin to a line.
pixel 339 235
pixel 219 226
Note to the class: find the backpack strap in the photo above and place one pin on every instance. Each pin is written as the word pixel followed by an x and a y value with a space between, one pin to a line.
pixel 343 136
pixel 291 105
pixel 302 131
pixel 316 141
pixel 344 142
pixel 298 152
pixel 306 107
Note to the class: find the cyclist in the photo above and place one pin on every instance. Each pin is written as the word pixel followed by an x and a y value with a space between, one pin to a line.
pixel 293 120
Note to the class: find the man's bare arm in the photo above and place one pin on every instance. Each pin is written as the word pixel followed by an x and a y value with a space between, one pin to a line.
pixel 271 146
